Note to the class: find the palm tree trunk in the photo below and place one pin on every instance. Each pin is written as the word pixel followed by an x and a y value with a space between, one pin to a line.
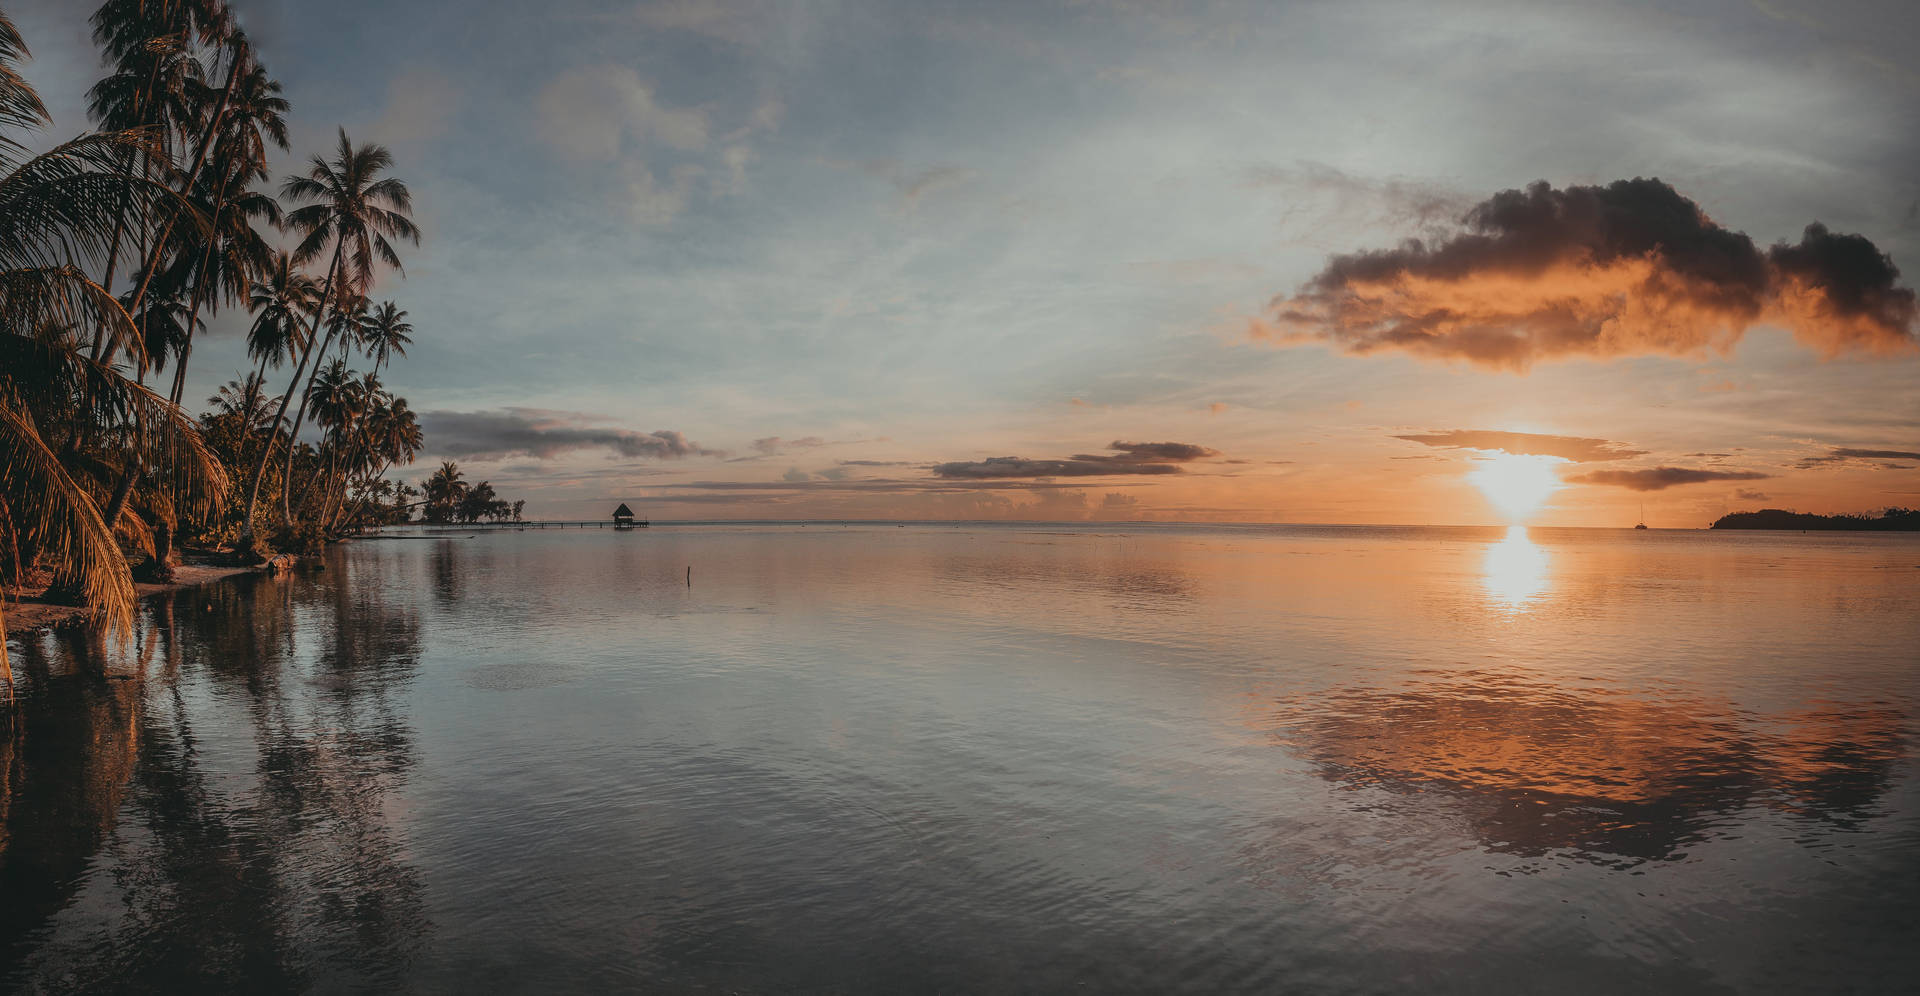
pixel 266 452
pixel 193 313
pixel 186 349
pixel 306 395
pixel 319 474
pixel 200 160
pixel 111 515
pixel 113 260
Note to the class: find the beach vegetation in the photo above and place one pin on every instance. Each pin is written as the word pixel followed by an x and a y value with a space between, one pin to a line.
pixel 117 250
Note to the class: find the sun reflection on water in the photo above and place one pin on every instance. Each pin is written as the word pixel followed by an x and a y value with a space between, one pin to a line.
pixel 1515 570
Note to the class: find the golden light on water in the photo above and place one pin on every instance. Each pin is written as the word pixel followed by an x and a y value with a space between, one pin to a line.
pixel 1516 484
pixel 1515 569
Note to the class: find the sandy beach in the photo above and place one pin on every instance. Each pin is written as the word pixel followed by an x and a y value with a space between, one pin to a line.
pixel 30 612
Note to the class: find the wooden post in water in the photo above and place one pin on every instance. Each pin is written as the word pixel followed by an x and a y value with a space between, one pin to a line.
pixel 689 575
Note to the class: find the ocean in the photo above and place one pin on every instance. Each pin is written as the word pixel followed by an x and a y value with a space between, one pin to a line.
pixel 985 758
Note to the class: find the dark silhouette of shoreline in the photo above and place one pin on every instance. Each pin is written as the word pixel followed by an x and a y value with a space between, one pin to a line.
pixel 1891 520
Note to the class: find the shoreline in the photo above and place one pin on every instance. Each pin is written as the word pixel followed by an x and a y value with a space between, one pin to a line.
pixel 28 614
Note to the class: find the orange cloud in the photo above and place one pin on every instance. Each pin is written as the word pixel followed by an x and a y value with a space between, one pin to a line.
pixel 1629 268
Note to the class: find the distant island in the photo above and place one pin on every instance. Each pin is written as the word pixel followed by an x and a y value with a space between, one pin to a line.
pixel 1891 520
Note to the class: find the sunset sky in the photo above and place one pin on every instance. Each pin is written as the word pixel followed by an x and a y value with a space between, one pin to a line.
pixel 1061 260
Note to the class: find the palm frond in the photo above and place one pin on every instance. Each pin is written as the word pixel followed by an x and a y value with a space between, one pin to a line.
pixel 64 519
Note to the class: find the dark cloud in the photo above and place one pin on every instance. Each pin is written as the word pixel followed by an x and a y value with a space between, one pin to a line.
pixel 543 435
pixel 1010 466
pixel 1661 478
pixel 1841 289
pixel 880 486
pixel 1151 452
pixel 1749 494
pixel 1848 454
pixel 1876 454
pixel 1128 458
pixel 1629 268
pixel 1579 449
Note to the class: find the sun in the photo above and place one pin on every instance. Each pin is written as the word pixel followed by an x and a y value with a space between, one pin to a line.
pixel 1516 484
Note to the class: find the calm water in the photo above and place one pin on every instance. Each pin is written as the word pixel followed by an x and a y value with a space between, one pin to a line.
pixel 987 759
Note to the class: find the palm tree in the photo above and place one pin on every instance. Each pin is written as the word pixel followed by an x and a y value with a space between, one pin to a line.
pixel 350 212
pixel 386 334
pixel 149 44
pixel 245 400
pixel 444 490
pixel 60 211
pixel 279 331
pixel 234 252
pixel 348 326
pixel 222 265
pixel 390 435
pixel 334 403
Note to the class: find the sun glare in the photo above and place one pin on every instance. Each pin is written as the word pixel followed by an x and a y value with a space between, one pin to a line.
pixel 1516 485
pixel 1515 569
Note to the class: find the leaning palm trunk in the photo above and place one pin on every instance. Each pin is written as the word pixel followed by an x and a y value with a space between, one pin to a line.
pixel 200 160
pixel 266 452
pixel 306 395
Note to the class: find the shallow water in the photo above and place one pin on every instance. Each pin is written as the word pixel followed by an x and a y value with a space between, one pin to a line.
pixel 989 759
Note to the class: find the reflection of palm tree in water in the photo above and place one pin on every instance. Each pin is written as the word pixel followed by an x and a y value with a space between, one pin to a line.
pixel 247 880
pixel 1606 777
pixel 66 752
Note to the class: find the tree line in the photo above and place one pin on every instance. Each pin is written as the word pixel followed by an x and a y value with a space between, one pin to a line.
pixel 116 249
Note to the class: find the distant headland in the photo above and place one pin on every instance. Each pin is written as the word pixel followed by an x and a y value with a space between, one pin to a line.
pixel 1891 520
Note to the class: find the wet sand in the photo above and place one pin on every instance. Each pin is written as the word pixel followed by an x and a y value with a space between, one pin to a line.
pixel 29 612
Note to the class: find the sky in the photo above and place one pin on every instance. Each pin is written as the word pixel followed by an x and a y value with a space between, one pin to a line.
pixel 1125 259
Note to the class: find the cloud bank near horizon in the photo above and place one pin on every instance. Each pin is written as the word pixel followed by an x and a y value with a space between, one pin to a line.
pixel 544 435
pixel 1631 268
pixel 1576 449
pixel 1662 478
pixel 1149 459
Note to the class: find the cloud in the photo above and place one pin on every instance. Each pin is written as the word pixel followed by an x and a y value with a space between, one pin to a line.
pixel 1578 449
pixel 1845 454
pixel 882 485
pixel 608 116
pixel 1625 269
pixel 795 475
pixel 739 22
pixel 1346 200
pixel 593 112
pixel 419 109
pixel 918 185
pixel 1748 494
pixel 1150 452
pixel 911 184
pixel 1131 458
pixel 543 435
pixel 1010 466
pixel 1661 478
pixel 770 445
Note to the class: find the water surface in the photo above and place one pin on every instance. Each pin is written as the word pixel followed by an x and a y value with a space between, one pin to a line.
pixel 986 759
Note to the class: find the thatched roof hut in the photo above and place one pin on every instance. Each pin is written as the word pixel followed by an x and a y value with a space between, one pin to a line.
pixel 623 516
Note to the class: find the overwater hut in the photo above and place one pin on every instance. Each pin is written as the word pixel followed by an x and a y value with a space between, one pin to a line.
pixel 623 517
